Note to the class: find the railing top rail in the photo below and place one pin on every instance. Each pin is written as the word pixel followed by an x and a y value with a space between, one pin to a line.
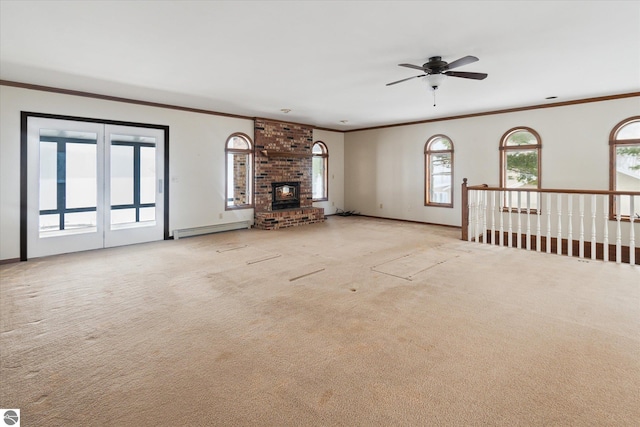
pixel 485 187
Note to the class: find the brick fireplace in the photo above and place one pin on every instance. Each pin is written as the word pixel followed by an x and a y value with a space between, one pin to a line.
pixel 283 155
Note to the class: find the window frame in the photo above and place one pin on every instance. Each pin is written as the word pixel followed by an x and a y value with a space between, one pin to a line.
pixel 428 152
pixel 325 160
pixel 250 160
pixel 504 149
pixel 614 143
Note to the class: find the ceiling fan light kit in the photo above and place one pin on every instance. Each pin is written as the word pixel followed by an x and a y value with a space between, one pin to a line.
pixel 436 70
pixel 434 80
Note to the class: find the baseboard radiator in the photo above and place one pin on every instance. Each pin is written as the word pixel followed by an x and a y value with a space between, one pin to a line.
pixel 208 229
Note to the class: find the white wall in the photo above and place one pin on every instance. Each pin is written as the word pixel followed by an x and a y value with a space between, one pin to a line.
pixel 196 164
pixel 386 166
pixel 335 145
pixel 366 168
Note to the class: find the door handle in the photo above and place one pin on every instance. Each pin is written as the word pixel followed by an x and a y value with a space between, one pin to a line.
pixel 160 186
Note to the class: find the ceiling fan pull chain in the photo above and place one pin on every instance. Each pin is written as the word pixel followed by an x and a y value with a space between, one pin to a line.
pixel 434 96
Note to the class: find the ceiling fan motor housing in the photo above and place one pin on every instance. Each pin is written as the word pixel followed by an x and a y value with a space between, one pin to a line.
pixel 436 65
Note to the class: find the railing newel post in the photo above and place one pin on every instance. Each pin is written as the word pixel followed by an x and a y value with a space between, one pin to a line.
pixel 465 210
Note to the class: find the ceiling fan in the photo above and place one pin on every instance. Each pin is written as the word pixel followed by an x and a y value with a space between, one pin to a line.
pixel 436 69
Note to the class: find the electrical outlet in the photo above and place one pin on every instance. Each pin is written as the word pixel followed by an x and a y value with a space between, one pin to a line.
pixel 333 203
pixel 220 216
pixel 380 205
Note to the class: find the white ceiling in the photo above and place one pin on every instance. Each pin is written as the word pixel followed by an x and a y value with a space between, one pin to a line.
pixel 327 61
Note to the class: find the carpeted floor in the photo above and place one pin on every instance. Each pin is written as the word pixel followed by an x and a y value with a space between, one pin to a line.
pixel 354 322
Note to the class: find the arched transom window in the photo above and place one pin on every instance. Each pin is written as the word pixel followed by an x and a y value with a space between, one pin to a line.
pixel 438 153
pixel 320 171
pixel 624 161
pixel 239 177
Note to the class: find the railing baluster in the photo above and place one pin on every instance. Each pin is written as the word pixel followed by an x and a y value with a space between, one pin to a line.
pixel 581 237
pixel 594 208
pixel 618 232
pixel 501 193
pixel 559 238
pixel 570 231
pixel 484 216
pixel 493 217
pixel 605 218
pixel 538 230
pixel 519 221
pixel 478 216
pixel 548 245
pixel 632 233
pixel 472 215
pixel 510 220
pixel 528 221
pixel 472 212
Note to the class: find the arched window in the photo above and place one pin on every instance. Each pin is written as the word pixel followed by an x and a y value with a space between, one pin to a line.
pixel 520 158
pixel 320 171
pixel 624 163
pixel 520 164
pixel 438 152
pixel 239 173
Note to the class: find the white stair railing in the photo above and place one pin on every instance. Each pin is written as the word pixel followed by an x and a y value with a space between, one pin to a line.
pixel 497 216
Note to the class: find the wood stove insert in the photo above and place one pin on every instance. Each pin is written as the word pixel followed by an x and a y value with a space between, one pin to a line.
pixel 286 195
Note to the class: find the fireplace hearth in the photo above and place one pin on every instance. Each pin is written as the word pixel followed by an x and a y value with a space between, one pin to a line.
pixel 285 195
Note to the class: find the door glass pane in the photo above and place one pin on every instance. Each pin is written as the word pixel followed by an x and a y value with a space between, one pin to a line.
pixel 80 220
pixel 147 175
pixel 121 175
pixel 148 214
pixel 48 175
pixel 123 216
pixel 81 175
pixel 50 222
pixel 440 178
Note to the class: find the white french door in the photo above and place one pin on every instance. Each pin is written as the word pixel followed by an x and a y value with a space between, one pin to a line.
pixel 92 185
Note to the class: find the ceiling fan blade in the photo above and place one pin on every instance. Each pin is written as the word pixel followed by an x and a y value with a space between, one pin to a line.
pixel 415 67
pixel 466 75
pixel 404 80
pixel 462 61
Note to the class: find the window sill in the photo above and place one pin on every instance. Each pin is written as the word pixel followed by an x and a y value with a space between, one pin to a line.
pixel 235 208
pixel 440 205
